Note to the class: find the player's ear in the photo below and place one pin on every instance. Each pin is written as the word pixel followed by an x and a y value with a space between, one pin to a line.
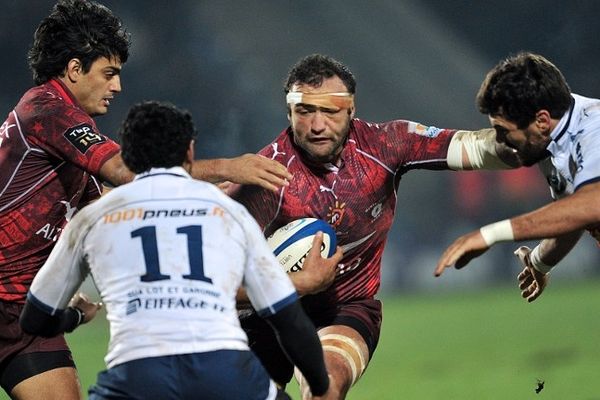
pixel 351 111
pixel 543 120
pixel 74 69
pixel 188 161
pixel 190 154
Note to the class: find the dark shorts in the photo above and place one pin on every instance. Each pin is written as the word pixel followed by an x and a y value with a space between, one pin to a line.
pixel 364 316
pixel 214 375
pixel 22 355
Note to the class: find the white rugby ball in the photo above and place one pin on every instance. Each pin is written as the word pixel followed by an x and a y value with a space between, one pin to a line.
pixel 292 242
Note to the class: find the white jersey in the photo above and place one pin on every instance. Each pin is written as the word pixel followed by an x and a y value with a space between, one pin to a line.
pixel 167 254
pixel 575 159
pixel 574 148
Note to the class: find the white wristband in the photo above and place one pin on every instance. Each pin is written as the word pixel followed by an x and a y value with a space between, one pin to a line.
pixel 497 232
pixel 536 261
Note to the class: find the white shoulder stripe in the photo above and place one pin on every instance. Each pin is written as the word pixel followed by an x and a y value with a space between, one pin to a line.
pixel 378 161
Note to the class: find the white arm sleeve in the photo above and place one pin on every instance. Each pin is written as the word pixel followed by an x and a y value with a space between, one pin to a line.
pixel 64 271
pixel 479 147
pixel 269 288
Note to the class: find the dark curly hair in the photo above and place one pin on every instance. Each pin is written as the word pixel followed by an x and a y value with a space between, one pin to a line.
pixel 313 69
pixel 519 86
pixel 155 134
pixel 76 29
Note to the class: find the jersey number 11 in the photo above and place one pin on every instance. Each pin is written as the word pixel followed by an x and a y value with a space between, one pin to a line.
pixel 150 247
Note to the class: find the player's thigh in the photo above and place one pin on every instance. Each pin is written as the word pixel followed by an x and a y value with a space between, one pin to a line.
pixel 346 357
pixel 56 384
pixel 26 358
pixel 346 353
pixel 350 338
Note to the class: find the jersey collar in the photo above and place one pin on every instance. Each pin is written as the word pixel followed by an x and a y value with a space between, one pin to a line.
pixel 563 124
pixel 64 91
pixel 173 171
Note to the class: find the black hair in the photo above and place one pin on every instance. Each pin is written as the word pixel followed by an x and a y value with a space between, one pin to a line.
pixel 76 29
pixel 313 69
pixel 155 135
pixel 519 86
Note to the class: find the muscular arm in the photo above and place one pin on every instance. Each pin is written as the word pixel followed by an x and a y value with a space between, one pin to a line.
pixel 576 212
pixel 251 169
pixel 566 216
pixel 115 171
pixel 248 169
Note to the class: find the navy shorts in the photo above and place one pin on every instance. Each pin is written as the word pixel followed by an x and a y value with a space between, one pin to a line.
pixel 363 315
pixel 215 375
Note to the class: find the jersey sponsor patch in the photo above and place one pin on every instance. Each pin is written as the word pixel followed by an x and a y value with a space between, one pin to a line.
pixel 420 129
pixel 83 137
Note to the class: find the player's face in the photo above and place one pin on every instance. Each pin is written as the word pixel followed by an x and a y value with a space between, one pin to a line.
pixel 531 143
pixel 321 131
pixel 95 89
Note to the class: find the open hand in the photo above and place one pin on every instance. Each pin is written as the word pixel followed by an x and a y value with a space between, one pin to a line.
pixel 254 169
pixel 463 250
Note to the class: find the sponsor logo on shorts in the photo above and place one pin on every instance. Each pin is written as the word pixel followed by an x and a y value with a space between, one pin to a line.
pixel 83 137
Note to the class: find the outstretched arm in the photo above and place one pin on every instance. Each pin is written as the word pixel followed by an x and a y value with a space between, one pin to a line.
pixel 470 150
pixel 115 172
pixel 572 213
pixel 567 215
pixel 250 169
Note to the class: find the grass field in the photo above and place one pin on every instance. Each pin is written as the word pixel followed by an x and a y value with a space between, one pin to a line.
pixel 483 345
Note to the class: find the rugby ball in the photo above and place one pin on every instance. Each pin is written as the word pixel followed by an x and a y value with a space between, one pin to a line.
pixel 292 242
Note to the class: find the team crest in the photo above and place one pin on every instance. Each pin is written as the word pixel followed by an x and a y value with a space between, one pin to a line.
pixel 336 213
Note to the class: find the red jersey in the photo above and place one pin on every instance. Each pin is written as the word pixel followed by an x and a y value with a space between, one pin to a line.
pixel 358 199
pixel 49 151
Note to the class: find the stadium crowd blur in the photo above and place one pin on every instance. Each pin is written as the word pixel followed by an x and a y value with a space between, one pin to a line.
pixel 421 60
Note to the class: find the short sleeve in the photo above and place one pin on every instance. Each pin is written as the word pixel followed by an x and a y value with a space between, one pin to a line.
pixel 268 286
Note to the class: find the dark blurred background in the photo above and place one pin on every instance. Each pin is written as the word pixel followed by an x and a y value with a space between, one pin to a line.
pixel 421 60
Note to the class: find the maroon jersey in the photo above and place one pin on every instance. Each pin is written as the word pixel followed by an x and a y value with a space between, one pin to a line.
pixel 49 151
pixel 358 198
